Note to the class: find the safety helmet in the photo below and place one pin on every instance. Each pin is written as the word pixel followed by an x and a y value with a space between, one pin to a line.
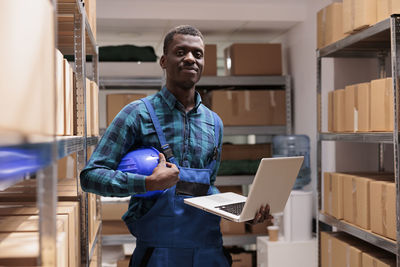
pixel 141 161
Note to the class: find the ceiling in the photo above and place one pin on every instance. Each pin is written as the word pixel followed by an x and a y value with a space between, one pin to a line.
pixel 145 22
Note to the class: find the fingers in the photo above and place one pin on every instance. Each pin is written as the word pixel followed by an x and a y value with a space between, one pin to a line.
pixel 161 160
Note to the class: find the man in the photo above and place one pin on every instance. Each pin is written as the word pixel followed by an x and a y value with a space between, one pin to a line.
pixel 168 232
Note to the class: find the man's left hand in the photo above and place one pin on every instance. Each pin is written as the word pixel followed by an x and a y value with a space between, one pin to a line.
pixel 262 215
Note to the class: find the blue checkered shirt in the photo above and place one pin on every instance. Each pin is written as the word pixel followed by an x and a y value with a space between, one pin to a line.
pixel 190 135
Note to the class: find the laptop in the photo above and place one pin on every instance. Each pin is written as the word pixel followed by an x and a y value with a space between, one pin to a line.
pixel 272 185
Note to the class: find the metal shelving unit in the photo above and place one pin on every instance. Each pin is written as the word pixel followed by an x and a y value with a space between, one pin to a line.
pixel 375 42
pixel 75 37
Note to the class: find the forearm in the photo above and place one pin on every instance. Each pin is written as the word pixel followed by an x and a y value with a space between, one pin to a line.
pixel 107 182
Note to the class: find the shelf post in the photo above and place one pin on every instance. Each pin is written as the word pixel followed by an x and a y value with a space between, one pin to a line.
pixel 318 156
pixel 395 57
pixel 46 192
pixel 80 68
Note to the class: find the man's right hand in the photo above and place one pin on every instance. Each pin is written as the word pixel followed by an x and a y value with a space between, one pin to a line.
pixel 164 176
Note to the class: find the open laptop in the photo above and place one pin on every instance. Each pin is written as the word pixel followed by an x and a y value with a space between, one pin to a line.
pixel 272 185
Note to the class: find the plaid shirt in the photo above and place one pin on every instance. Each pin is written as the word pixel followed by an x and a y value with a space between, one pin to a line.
pixel 190 135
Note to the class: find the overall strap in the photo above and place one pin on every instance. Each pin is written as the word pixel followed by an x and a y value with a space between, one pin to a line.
pixel 166 149
pixel 217 127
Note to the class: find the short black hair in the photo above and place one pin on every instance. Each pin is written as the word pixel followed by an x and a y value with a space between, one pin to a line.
pixel 182 29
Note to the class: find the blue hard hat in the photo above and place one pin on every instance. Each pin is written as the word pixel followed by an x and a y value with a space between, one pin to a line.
pixel 141 161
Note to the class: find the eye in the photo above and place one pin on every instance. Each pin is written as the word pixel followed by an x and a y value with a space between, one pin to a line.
pixel 180 52
pixel 198 54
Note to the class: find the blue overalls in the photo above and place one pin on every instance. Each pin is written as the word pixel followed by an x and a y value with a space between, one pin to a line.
pixel 172 233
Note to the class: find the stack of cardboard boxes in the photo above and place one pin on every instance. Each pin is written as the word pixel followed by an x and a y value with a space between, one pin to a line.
pixel 363 107
pixel 338 249
pixel 366 200
pixel 340 19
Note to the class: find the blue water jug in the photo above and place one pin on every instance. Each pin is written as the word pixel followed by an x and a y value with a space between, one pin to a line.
pixel 294 145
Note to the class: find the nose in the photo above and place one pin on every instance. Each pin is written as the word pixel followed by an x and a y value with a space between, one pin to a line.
pixel 189 58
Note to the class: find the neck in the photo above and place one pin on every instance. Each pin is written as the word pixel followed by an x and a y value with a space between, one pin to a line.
pixel 184 95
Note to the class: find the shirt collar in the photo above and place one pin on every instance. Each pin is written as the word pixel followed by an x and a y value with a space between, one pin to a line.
pixel 171 100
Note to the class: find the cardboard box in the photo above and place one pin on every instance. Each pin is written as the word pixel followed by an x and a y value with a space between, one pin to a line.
pixel 363 96
pixel 245 152
pixel 90 8
pixel 115 102
pixel 210 60
pixel 63 208
pixel 253 59
pixel 232 228
pixel 383 210
pixel 329 25
pixel 362 202
pixel 387 7
pixel 27 94
pixel 349 198
pixel 331 127
pixel 378 259
pixel 358 14
pixel 113 211
pixel 333 194
pixel 326 249
pixel 250 107
pixel 350 108
pixel 382 105
pixel 67 167
pixel 89 109
pixel 60 98
pixel 69 99
pixel 242 259
pixel 391 210
pixel 117 227
pixel 94 94
pixel 338 108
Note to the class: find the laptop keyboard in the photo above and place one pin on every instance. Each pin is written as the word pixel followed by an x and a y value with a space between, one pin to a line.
pixel 235 208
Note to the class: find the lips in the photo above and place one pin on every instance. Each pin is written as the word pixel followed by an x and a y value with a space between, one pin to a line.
pixel 189 69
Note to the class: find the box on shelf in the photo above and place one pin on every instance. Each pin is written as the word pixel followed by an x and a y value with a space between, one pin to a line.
pixel 70 209
pixel 89 114
pixel 381 105
pixel 331 127
pixel 333 194
pixel 245 151
pixel 253 59
pixel 113 211
pixel 67 167
pixel 363 96
pixel 210 60
pixel 115 102
pixel 329 25
pixel 94 94
pixel 383 210
pixel 378 259
pixel 250 107
pixel 242 259
pixel 117 227
pixel 385 8
pixel 338 108
pixel 350 110
pixel 90 7
pixel 27 102
pixel 69 98
pixel 60 97
pixel 358 14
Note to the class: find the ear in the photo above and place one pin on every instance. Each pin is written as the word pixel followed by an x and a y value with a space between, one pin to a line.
pixel 163 62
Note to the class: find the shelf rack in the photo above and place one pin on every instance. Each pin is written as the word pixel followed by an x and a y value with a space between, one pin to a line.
pixel 380 39
pixel 75 37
